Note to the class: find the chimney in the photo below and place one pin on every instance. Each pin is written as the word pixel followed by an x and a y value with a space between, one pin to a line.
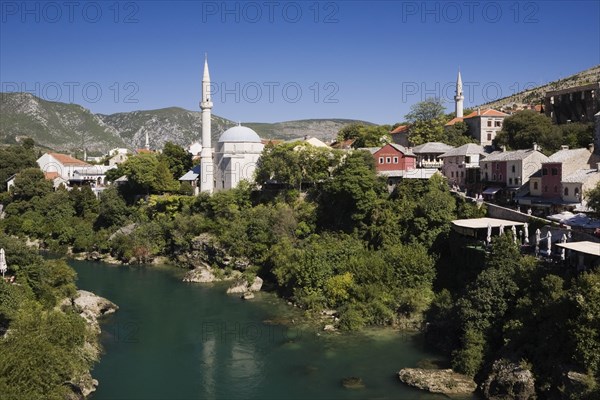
pixel 536 147
pixel 478 110
pixel 564 147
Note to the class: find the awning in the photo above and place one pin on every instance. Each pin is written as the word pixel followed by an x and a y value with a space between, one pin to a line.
pixel 491 191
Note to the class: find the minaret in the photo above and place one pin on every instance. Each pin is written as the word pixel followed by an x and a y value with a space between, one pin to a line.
pixel 206 155
pixel 458 99
pixel 147 145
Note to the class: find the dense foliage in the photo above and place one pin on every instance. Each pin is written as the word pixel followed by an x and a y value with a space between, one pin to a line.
pixel 42 348
pixel 523 129
pixel 324 231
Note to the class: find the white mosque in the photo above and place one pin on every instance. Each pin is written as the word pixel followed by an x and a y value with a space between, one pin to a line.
pixel 232 160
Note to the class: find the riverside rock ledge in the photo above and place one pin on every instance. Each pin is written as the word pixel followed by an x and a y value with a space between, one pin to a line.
pixel 443 381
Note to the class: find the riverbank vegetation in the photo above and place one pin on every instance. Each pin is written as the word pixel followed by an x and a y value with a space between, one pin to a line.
pixel 323 230
pixel 44 349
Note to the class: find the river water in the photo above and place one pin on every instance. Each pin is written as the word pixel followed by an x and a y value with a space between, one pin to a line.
pixel 173 340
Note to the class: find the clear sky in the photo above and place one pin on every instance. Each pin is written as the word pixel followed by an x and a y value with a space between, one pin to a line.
pixel 277 60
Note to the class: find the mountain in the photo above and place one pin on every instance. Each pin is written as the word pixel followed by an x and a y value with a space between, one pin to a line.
pixel 534 95
pixel 64 127
pixel 52 124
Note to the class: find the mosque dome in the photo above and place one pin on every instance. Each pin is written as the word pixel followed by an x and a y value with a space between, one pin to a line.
pixel 239 134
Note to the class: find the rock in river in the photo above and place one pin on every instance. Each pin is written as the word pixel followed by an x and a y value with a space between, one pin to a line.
pixel 443 381
pixel 508 380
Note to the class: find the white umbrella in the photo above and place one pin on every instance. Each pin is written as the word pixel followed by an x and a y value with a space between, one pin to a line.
pixel 489 234
pixel 514 232
pixel 549 237
pixel 526 233
pixel 501 230
pixel 562 251
pixel 3 266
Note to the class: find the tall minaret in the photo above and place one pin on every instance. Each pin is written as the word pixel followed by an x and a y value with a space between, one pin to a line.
pixel 206 155
pixel 458 99
pixel 147 145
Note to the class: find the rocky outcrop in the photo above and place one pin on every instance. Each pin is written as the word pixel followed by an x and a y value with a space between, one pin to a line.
pixel 443 381
pixel 205 250
pixel 508 380
pixel 91 307
pixel 242 286
pixel 200 275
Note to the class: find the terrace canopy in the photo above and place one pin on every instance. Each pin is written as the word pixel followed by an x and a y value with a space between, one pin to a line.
pixel 473 226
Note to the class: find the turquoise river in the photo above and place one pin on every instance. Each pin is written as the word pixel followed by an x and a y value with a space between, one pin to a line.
pixel 172 340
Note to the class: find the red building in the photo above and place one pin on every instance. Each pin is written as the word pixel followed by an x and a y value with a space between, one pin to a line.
pixel 394 157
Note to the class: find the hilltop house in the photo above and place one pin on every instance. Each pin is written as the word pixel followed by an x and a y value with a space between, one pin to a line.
pixel 62 164
pixel 428 154
pixel 461 165
pixel 563 179
pixel 483 125
pixel 394 162
pixel 71 170
pixel 509 171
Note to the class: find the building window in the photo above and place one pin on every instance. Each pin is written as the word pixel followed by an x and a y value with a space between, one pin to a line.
pixel 510 181
pixel 388 160
pixel 576 192
pixel 497 167
pixel 489 123
pixel 513 168
pixel 498 124
pixel 489 136
pixel 554 171
pixel 452 174
pixel 395 160
pixel 535 186
pixel 485 166
pixel 516 181
pixel 500 177
pixel 566 191
pixel 380 160
pixel 486 176
pixel 544 171
pixel 494 177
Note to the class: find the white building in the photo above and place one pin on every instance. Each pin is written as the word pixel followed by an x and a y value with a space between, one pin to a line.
pixel 232 160
pixel 236 155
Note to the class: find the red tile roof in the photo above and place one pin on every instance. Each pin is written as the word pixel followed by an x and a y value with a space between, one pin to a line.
pixel 487 113
pixel 454 120
pixel 399 129
pixel 67 160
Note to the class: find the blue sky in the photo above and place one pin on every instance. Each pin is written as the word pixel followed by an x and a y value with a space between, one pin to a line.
pixel 278 60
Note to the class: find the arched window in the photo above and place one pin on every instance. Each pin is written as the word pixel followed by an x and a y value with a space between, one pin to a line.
pixel 566 191
pixel 576 191
pixel 535 185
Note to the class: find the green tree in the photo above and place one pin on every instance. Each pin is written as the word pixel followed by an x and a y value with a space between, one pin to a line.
pixel 112 209
pixel 14 159
pixel 457 135
pixel 147 173
pixel 577 134
pixel 365 136
pixel 430 109
pixel 346 200
pixel 30 183
pixel 593 199
pixel 295 164
pixel 523 129
pixel 177 158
